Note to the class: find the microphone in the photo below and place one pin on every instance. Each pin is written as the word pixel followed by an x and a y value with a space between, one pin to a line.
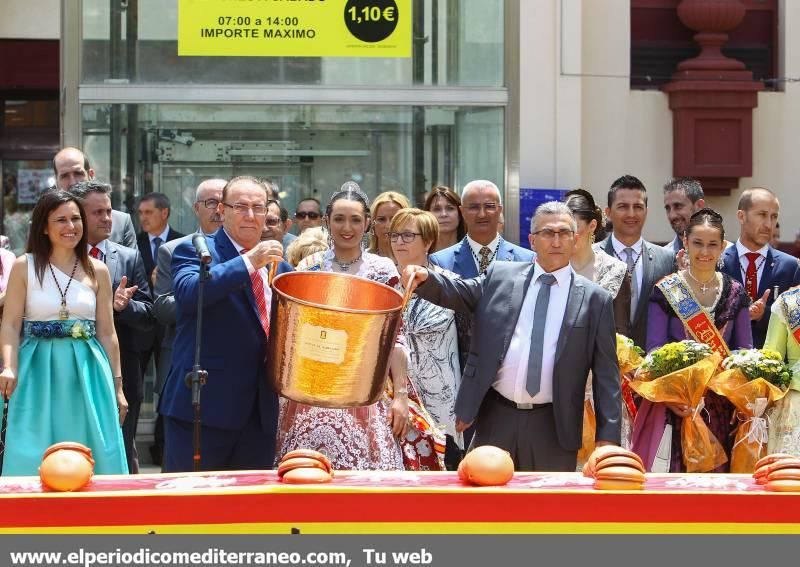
pixel 200 246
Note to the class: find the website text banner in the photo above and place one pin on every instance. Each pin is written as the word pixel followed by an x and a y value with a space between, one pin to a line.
pixel 396 551
pixel 295 28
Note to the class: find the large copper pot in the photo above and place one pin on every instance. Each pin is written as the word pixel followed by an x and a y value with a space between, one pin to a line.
pixel 330 338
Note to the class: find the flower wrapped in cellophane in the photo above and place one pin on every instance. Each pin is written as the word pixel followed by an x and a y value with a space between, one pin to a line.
pixel 629 357
pixel 753 380
pixel 679 373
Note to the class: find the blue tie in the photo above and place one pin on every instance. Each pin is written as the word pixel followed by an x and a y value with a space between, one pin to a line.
pixel 537 335
pixel 156 245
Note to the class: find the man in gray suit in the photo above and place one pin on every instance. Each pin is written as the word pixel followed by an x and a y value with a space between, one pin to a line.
pixel 207 198
pixel 132 303
pixel 71 166
pixel 539 328
pixel 647 262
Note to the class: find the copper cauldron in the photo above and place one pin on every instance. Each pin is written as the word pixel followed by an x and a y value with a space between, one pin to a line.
pixel 330 338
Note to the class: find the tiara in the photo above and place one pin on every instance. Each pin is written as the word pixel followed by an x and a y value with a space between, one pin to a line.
pixel 351 187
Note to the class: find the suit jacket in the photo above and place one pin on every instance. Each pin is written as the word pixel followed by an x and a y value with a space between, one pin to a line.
pixel 586 342
pixel 122 231
pixel 458 258
pixel 233 347
pixel 164 307
pixel 656 263
pixel 146 250
pixel 136 320
pixel 675 246
pixel 780 269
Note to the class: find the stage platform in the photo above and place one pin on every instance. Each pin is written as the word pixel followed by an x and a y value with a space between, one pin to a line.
pixel 396 503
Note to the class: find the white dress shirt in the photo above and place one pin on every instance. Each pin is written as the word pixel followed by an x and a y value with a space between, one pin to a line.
pixel 476 250
pixel 638 246
pixel 250 269
pixel 100 246
pixel 512 378
pixel 744 263
pixel 162 236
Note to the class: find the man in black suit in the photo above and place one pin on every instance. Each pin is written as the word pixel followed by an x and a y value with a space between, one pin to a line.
pixel 132 303
pixel 71 166
pixel 764 271
pixel 538 329
pixel 154 209
pixel 647 262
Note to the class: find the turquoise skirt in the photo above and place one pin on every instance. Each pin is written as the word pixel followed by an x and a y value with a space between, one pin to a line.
pixel 65 392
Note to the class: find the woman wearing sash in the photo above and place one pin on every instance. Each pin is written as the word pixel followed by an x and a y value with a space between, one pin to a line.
pixel 717 302
pixel 783 336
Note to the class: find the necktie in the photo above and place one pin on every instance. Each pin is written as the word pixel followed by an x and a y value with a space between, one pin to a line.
pixel 484 253
pixel 751 277
pixel 630 259
pixel 261 301
pixel 537 334
pixel 95 253
pixel 156 245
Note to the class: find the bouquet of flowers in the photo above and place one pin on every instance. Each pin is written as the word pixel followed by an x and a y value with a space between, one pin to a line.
pixel 629 357
pixel 678 373
pixel 753 380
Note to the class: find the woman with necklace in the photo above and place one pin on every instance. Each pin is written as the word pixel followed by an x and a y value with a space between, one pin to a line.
pixel 63 382
pixel 361 438
pixel 727 304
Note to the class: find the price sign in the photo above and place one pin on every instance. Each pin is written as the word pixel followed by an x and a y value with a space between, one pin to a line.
pixel 295 28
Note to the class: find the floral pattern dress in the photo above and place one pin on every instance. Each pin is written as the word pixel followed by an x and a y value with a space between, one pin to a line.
pixel 784 416
pixel 361 438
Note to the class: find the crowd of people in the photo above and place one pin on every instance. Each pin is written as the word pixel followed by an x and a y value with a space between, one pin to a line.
pixel 500 344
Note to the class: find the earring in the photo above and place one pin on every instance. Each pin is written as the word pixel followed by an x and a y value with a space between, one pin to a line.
pixel 591 238
pixel 330 241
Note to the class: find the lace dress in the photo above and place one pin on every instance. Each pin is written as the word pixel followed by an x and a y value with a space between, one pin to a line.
pixel 65 389
pixel 353 438
pixel 435 370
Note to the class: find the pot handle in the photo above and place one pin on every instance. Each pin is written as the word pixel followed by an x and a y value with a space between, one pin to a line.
pixel 409 291
pixel 273 267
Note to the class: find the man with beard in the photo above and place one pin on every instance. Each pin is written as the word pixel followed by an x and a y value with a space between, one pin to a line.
pixel 683 196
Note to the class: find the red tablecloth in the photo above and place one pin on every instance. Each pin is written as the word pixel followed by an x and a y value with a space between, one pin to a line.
pixel 396 502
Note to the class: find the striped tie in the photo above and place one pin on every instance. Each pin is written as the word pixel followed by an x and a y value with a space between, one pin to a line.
pixel 261 300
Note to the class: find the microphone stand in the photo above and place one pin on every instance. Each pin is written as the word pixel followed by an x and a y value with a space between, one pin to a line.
pixel 198 377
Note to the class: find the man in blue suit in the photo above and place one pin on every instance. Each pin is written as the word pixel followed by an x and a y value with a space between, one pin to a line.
pixel 764 271
pixel 481 208
pixel 239 407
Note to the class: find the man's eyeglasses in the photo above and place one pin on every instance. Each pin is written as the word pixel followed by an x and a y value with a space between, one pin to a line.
pixel 210 203
pixel 549 235
pixel 476 208
pixel 310 215
pixel 272 222
pixel 241 209
pixel 407 237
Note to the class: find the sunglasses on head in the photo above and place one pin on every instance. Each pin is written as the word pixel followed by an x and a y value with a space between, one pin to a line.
pixel 303 214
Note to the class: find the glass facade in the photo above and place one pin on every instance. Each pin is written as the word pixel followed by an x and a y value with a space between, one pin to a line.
pixel 153 121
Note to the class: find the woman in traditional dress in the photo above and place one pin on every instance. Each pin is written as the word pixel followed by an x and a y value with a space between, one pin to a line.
pixel 783 334
pixel 63 382
pixel 430 330
pixel 360 438
pixel 445 204
pixel 590 261
pixel 727 304
pixel 383 209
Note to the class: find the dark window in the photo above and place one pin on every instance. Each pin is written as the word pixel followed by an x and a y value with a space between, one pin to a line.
pixel 659 41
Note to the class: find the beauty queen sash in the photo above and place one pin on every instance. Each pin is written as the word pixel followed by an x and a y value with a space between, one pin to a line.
pixel 790 302
pixel 696 319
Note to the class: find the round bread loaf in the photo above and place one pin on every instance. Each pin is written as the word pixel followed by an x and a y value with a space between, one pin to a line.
pixel 306 475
